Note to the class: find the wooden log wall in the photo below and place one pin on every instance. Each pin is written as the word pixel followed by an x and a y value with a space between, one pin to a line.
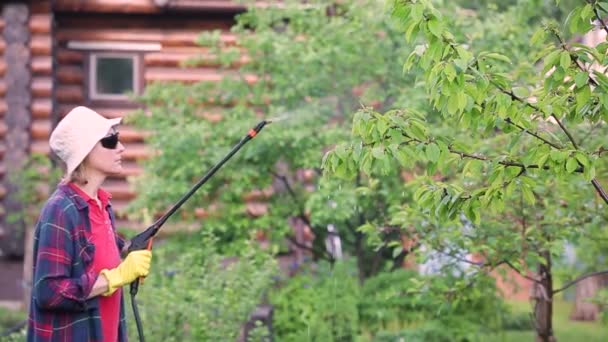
pixel 3 109
pixel 14 89
pixel 150 6
pixel 4 232
pixel 176 36
pixel 42 69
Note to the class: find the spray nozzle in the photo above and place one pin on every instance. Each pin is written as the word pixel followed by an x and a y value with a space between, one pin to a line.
pixel 254 131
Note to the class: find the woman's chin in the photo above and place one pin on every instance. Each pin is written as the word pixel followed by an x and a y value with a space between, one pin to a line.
pixel 116 171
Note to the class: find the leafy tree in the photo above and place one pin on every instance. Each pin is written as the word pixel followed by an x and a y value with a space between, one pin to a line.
pixel 304 64
pixel 511 169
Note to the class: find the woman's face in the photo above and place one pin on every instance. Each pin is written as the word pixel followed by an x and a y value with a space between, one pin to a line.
pixel 106 156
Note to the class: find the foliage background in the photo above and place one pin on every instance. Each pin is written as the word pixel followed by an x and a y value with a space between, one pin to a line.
pixel 310 71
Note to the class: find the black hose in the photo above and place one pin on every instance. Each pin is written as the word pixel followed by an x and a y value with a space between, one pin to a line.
pixel 14 329
pixel 140 329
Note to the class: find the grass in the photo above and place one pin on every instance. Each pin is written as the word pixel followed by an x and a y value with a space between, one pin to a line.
pixel 565 329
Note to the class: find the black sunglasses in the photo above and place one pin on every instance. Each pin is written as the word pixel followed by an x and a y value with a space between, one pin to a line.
pixel 110 142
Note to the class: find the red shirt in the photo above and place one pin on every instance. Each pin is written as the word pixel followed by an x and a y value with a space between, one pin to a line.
pixel 107 256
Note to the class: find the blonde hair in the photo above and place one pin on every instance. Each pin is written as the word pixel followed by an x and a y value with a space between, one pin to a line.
pixel 79 175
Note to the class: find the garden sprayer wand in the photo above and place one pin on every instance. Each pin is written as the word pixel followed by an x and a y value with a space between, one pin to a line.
pixel 144 239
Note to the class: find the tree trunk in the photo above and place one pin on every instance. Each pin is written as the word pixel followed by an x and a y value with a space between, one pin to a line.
pixel 543 295
pixel 587 288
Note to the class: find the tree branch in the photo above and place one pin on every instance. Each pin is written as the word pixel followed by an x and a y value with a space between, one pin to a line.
pixel 570 137
pixel 511 266
pixel 598 187
pixel 301 216
pixel 515 97
pixel 484 158
pixel 573 56
pixel 595 183
pixel 536 108
pixel 466 261
pixel 293 195
pixel 597 15
pixel 599 152
pixel 324 254
pixel 536 135
pixel 480 264
pixel 583 277
pixel 285 181
pixel 600 190
pixel 504 163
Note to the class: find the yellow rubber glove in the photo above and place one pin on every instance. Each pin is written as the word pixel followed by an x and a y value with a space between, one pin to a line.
pixel 135 265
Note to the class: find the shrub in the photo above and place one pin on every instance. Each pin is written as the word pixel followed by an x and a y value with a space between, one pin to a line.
pixel 12 325
pixel 195 294
pixel 318 305
pixel 384 300
pixel 328 304
pixel 517 321
pixel 17 336
pixel 430 331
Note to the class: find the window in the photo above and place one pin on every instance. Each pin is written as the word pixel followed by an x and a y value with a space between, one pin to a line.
pixel 113 76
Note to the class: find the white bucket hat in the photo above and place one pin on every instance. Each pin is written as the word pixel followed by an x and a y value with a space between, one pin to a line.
pixel 77 133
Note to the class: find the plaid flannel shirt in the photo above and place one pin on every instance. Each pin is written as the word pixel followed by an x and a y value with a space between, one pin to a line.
pixel 59 309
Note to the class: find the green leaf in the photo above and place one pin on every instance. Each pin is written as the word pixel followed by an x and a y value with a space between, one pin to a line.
pixel 571 164
pixel 409 62
pixel 461 63
pixel 550 60
pixel 462 100
pixel 497 56
pixel 403 158
pixel 432 152
pixel 582 97
pixel 601 78
pixel 528 195
pixel 581 79
pixel 417 12
pixel 574 19
pixel 382 126
pixel 538 36
pixel 521 92
pixel 463 53
pixel 397 251
pixel 410 31
pixel 378 152
pixel 586 12
pixel 418 129
pixel 582 158
pixel 450 72
pixel 453 104
pixel 510 188
pixel 589 173
pixel 542 160
pixel 558 156
pixel 565 60
pixel 436 27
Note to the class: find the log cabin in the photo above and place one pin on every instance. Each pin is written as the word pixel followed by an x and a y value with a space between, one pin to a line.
pixel 57 54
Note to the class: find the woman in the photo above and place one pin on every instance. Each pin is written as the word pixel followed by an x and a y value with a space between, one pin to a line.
pixel 78 272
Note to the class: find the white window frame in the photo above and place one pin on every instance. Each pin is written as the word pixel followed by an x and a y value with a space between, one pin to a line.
pixel 93 56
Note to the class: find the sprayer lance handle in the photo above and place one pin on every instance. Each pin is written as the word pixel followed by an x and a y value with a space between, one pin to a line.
pixel 141 240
